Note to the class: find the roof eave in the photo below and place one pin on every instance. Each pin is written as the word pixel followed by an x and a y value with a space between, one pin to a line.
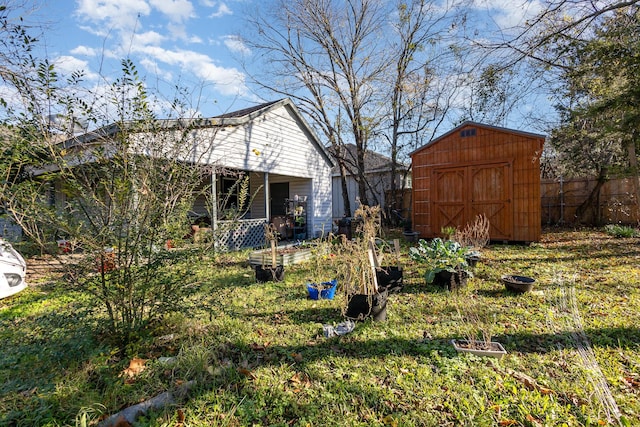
pixel 477 124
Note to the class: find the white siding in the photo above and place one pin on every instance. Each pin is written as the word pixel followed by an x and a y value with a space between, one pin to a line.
pixel 274 142
pixel 256 187
pixel 338 201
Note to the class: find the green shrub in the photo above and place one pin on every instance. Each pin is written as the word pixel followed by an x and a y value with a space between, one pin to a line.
pixel 618 230
pixel 440 255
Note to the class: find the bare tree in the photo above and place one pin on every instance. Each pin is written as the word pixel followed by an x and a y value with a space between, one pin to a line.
pixel 331 57
pixel 419 98
pixel 360 69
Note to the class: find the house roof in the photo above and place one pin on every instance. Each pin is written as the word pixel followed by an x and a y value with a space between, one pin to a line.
pixel 477 125
pixel 373 162
pixel 245 111
pixel 234 118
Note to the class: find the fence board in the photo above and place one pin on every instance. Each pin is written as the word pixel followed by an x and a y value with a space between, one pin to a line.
pixel 561 199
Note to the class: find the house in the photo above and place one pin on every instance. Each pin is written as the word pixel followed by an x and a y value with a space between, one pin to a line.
pixel 377 171
pixel 287 166
pixel 479 169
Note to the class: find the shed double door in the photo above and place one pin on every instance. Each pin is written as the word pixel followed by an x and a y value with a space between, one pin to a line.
pixel 461 193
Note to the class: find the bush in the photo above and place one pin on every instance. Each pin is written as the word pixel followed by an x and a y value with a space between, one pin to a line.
pixel 617 230
pixel 441 255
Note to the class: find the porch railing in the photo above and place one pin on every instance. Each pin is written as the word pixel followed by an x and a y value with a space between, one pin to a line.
pixel 244 233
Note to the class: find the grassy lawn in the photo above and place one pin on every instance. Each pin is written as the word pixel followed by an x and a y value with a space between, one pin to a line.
pixel 257 356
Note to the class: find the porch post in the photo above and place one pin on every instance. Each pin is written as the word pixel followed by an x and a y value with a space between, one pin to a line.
pixel 214 208
pixel 267 196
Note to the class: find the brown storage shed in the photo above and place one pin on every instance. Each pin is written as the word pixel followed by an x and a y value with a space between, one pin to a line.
pixel 479 169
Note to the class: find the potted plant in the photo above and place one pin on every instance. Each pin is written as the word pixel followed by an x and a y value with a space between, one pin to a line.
pixel 322 290
pixel 484 347
pixel 356 263
pixel 478 324
pixel 390 276
pixel 274 271
pixel 409 234
pixel 474 237
pixel 445 262
pixel 317 286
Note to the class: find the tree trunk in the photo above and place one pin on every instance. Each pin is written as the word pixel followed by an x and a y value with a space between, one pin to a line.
pixel 362 185
pixel 393 203
pixel 345 189
pixel 590 202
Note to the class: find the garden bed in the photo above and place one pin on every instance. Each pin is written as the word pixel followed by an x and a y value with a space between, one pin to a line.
pixel 286 255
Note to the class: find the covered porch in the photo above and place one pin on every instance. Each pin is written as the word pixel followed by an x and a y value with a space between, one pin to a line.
pixel 242 208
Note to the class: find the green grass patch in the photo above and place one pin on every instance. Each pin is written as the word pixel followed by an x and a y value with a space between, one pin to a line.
pixel 258 357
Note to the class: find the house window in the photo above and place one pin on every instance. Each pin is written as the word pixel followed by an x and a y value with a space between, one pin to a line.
pixel 468 132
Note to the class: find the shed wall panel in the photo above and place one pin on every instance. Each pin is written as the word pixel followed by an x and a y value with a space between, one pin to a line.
pixel 499 176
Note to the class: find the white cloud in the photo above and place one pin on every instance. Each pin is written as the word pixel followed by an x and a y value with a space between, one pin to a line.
pixel 69 64
pixel 148 38
pixel 227 81
pixel 152 67
pixel 84 51
pixel 106 15
pixel 510 14
pixel 175 10
pixel 235 44
pixel 223 10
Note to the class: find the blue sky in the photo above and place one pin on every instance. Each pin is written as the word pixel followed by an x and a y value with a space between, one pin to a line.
pixel 192 43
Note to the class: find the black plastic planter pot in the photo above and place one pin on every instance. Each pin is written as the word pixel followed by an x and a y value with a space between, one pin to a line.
pixel 411 236
pixel 389 279
pixel 519 284
pixel 472 260
pixel 362 306
pixel 268 274
pixel 449 280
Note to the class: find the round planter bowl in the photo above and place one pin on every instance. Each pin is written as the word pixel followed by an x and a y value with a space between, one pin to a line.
pixel 518 284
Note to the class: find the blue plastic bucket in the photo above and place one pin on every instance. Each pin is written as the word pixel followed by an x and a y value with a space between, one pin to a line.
pixel 327 293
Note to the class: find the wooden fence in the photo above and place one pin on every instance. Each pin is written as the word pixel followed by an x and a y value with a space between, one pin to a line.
pixel 615 205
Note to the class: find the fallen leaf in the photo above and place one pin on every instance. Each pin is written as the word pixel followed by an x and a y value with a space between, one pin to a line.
pixel 257 347
pixel 247 373
pixel 507 422
pixel 295 378
pixel 545 391
pixel 533 420
pixel 180 417
pixel 135 367
pixel 297 357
